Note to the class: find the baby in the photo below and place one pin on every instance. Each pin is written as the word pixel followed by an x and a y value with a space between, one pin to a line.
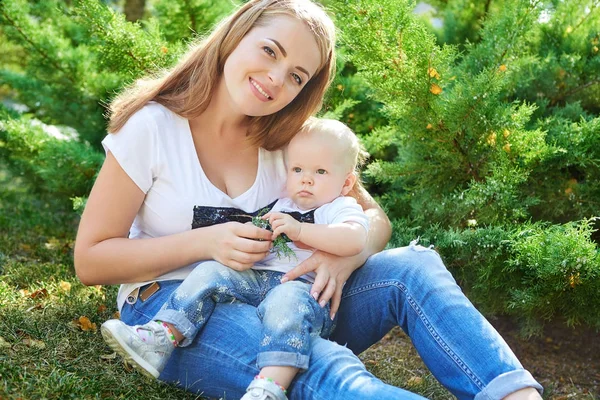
pixel 321 170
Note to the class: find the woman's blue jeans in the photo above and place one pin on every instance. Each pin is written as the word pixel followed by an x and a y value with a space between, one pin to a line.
pixel 408 286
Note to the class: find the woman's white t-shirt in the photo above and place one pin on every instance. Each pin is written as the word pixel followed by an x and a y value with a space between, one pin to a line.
pixel 155 148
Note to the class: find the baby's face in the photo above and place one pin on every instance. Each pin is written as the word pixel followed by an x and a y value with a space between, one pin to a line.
pixel 316 171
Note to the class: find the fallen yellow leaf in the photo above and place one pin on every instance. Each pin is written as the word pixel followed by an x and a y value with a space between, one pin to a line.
pixel 65 286
pixel 36 344
pixel 85 324
pixel 415 381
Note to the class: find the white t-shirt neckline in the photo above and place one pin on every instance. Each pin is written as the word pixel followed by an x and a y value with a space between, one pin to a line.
pixel 212 185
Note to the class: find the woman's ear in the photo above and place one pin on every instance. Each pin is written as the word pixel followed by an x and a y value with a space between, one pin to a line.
pixel 348 183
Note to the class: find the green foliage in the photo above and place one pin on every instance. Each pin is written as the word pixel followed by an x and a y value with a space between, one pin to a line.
pixel 536 272
pixel 559 269
pixel 52 78
pixel 50 160
pixel 188 19
pixel 280 247
pixel 492 130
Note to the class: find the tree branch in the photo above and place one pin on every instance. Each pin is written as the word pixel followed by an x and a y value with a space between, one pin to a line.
pixel 45 56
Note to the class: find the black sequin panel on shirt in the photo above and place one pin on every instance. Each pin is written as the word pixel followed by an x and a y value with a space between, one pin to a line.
pixel 207 216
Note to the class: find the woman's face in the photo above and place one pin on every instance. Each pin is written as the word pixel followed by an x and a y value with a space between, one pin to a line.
pixel 270 66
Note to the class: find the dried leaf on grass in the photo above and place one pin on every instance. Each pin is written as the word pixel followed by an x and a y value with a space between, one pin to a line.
pixel 65 286
pixel 128 367
pixel 39 294
pixel 4 343
pixel 415 381
pixel 38 306
pixel 108 357
pixel 33 343
pixel 84 324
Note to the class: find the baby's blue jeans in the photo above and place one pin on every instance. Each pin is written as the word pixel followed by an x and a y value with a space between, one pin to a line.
pixel 291 317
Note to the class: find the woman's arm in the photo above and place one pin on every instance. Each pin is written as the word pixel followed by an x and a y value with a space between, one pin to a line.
pixel 333 271
pixel 380 230
pixel 104 254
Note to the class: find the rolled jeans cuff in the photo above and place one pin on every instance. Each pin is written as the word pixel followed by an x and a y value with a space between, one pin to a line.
pixel 507 383
pixel 282 358
pixel 181 323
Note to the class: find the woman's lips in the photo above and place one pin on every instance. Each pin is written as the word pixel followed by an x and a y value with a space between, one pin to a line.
pixel 259 91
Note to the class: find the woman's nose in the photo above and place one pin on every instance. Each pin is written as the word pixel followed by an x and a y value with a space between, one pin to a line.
pixel 276 75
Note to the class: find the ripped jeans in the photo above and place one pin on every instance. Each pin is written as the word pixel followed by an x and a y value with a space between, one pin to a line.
pixel 291 317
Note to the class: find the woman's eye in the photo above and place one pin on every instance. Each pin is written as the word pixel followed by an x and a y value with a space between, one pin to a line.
pixel 269 51
pixel 321 171
pixel 297 169
pixel 297 79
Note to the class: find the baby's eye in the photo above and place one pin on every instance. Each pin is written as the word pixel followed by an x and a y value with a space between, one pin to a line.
pixel 297 78
pixel 321 171
pixel 297 169
pixel 269 51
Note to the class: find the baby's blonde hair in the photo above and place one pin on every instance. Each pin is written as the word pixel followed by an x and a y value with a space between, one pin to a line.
pixel 347 142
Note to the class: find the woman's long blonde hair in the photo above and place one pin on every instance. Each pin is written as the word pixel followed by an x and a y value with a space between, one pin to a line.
pixel 186 88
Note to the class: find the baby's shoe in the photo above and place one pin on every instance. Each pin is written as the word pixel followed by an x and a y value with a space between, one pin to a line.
pixel 264 389
pixel 146 347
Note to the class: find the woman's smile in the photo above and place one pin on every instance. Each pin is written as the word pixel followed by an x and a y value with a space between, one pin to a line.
pixel 261 93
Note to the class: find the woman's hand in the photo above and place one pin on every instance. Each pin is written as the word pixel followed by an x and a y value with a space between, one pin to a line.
pixel 331 274
pixel 238 245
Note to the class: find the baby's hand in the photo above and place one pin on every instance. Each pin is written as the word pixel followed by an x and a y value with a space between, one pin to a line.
pixel 284 223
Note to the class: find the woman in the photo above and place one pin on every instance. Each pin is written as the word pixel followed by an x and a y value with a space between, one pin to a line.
pixel 202 143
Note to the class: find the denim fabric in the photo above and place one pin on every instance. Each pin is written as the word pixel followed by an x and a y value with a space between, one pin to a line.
pixel 409 287
pixel 291 317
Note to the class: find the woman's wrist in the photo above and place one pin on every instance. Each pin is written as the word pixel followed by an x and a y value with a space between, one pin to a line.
pixel 204 242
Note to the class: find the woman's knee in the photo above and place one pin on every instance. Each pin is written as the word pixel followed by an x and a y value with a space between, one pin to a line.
pixel 410 265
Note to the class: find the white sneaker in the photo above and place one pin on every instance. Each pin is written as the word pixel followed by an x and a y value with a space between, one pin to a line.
pixel 149 359
pixel 264 389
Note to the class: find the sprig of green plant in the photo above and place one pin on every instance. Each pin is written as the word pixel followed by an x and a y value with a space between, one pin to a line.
pixel 280 247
